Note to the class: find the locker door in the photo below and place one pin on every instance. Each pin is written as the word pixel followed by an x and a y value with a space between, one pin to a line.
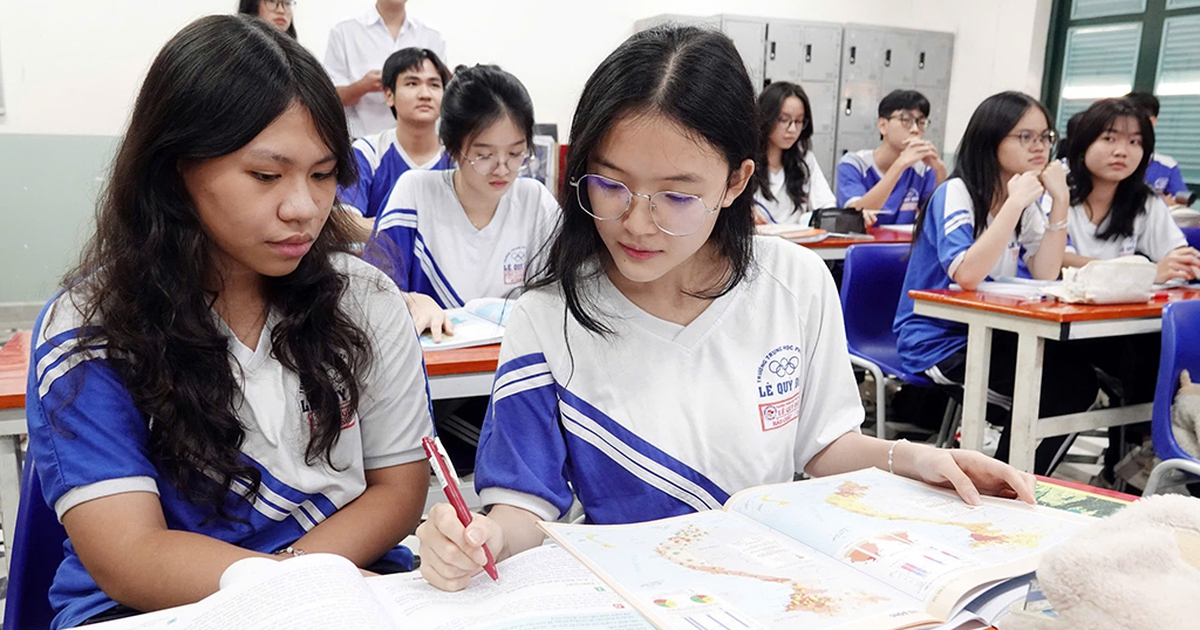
pixel 939 100
pixel 858 107
pixel 784 51
pixel 847 143
pixel 899 61
pixel 862 58
pixel 749 36
pixel 821 53
pixel 822 147
pixel 824 100
pixel 934 57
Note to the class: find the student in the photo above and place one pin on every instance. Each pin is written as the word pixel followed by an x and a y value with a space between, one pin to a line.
pixel 790 184
pixel 219 379
pixel 414 79
pixel 979 224
pixel 275 12
pixel 900 175
pixel 356 51
pixel 1163 173
pixel 641 373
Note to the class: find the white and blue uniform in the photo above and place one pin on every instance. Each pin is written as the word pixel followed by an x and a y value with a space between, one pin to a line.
pixel 89 440
pixel 1164 176
pixel 857 174
pixel 782 210
pixel 1155 233
pixel 661 419
pixel 946 235
pixel 381 161
pixel 425 241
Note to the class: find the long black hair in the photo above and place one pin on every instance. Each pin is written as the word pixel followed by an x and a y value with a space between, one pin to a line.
pixel 140 285
pixel 688 75
pixel 1130 198
pixel 250 7
pixel 795 169
pixel 977 162
pixel 476 98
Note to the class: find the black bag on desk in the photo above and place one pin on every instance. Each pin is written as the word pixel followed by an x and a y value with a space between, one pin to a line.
pixel 844 220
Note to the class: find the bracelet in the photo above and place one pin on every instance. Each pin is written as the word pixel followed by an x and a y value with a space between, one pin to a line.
pixel 892 451
pixel 294 551
pixel 1057 226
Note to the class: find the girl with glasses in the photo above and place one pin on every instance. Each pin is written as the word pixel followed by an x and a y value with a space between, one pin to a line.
pixel 277 13
pixel 664 357
pixel 986 219
pixel 788 183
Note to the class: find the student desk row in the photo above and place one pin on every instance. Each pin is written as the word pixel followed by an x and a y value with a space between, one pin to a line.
pixel 1034 322
pixel 834 247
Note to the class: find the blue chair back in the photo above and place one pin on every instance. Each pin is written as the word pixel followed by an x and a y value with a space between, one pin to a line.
pixel 1180 351
pixel 36 553
pixel 871 283
pixel 1192 234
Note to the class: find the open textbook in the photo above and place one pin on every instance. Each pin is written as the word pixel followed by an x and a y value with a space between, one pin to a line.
pixel 861 550
pixel 479 322
pixel 542 589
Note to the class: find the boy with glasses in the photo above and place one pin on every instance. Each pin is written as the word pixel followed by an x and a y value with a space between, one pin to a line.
pixel 900 175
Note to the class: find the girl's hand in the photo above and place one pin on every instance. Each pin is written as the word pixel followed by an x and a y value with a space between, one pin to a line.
pixel 452 554
pixel 1183 262
pixel 870 216
pixel 427 315
pixel 1024 189
pixel 1054 179
pixel 759 219
pixel 968 472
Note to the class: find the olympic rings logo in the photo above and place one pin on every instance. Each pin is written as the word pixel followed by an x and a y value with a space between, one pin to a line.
pixel 784 367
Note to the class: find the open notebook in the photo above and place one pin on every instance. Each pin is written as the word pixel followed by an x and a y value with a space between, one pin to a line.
pixel 478 323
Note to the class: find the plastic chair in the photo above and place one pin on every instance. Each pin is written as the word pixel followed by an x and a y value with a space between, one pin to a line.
pixel 1180 351
pixel 1192 234
pixel 37 550
pixel 871 283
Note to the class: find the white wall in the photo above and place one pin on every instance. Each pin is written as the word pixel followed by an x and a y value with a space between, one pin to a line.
pixel 73 66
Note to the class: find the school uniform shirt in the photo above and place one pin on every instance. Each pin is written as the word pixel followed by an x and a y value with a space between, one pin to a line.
pixel 381 161
pixel 782 210
pixel 659 419
pixel 361 44
pixel 947 233
pixel 89 440
pixel 857 174
pixel 1164 176
pixel 1155 233
pixel 424 239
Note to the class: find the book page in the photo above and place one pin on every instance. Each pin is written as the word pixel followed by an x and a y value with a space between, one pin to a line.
pixel 541 589
pixel 720 570
pixel 494 310
pixel 923 540
pixel 469 330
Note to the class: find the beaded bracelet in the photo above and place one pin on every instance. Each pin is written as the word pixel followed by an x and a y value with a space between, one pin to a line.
pixel 892 451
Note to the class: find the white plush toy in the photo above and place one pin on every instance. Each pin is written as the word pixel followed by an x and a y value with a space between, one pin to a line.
pixel 1185 415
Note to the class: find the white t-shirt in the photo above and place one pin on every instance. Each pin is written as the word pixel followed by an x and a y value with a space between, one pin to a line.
pixel 425 237
pixel 660 419
pixel 1155 233
pixel 361 44
pixel 782 210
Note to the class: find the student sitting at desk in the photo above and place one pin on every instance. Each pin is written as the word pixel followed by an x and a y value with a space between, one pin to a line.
pixel 641 372
pixel 789 185
pixel 220 379
pixel 413 80
pixel 900 175
pixel 977 225
pixel 1163 172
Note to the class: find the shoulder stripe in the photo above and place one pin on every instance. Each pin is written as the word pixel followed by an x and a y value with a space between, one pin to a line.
pixel 441 285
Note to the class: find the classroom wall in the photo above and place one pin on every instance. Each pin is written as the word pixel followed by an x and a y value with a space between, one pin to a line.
pixel 71 69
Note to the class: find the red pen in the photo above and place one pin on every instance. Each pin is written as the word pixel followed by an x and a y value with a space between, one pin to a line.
pixel 449 483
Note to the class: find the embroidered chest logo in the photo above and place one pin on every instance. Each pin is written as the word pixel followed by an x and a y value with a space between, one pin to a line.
pixel 778 381
pixel 514 265
pixel 912 200
pixel 349 417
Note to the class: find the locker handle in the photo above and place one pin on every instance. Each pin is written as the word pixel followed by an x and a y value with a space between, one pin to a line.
pixel 772 51
pixel 849 101
pixel 853 54
pixel 808 53
pixel 921 61
pixel 887 58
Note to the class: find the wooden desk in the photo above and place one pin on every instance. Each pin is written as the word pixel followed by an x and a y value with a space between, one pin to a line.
pixel 462 372
pixel 14 372
pixel 1034 322
pixel 834 248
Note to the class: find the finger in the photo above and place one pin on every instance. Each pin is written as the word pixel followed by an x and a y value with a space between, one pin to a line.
pixel 1023 483
pixel 447 324
pixel 460 551
pixel 435 329
pixel 962 483
pixel 421 322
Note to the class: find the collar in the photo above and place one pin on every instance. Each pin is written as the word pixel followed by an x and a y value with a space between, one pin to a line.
pixel 372 17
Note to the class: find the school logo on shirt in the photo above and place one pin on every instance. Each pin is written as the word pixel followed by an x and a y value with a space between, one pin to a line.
pixel 349 417
pixel 912 200
pixel 514 265
pixel 1128 246
pixel 778 381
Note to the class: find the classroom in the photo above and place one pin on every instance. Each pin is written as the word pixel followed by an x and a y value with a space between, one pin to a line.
pixel 347 313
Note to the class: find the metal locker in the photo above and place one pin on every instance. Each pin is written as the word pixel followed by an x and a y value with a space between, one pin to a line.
pixel 821 53
pixel 847 143
pixel 750 38
pixel 823 97
pixel 939 100
pixel 822 148
pixel 858 107
pixel 862 55
pixel 899 61
pixel 784 52
pixel 934 56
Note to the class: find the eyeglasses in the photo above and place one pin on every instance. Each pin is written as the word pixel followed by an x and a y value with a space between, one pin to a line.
pixel 280 4
pixel 485 164
pixel 675 213
pixel 786 123
pixel 909 121
pixel 1027 138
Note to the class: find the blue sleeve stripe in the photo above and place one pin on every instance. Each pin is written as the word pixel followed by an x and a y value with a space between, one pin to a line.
pixel 522 361
pixel 445 293
pixel 535 381
pixel 957 221
pixel 397 218
pixel 47 380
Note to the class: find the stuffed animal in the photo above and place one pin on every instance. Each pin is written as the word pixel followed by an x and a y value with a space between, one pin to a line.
pixel 1185 415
